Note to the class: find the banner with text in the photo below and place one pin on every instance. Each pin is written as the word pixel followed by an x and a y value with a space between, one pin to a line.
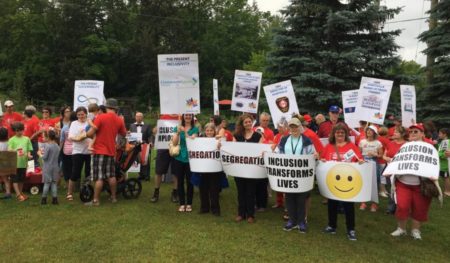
pixel 290 173
pixel 87 92
pixel 373 100
pixel 246 91
pixel 165 130
pixel 204 156
pixel 349 102
pixel 243 159
pixel 281 100
pixel 408 101
pixel 417 158
pixel 179 84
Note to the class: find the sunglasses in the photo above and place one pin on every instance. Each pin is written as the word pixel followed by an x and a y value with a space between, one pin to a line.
pixel 414 132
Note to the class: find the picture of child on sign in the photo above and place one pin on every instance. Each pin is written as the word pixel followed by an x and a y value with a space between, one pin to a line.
pixel 283 104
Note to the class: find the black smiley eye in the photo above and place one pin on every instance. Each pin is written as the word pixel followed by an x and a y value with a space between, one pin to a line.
pixel 350 178
pixel 338 177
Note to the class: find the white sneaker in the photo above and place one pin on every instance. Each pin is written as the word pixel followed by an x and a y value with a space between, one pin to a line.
pixel 415 233
pixel 399 232
pixel 384 194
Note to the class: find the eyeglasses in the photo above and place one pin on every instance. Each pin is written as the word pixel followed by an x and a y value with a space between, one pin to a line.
pixel 414 132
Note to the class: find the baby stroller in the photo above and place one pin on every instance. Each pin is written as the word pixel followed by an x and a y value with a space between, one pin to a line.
pixel 130 188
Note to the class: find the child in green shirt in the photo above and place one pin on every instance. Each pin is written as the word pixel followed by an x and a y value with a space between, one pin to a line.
pixel 444 155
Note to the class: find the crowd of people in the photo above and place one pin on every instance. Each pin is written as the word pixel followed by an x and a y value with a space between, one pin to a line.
pixel 87 138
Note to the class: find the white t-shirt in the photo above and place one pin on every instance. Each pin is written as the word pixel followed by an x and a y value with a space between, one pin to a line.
pixel 369 146
pixel 77 128
pixel 409 179
pixel 3 146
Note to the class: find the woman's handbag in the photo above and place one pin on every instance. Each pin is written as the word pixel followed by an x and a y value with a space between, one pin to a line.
pixel 428 188
pixel 174 150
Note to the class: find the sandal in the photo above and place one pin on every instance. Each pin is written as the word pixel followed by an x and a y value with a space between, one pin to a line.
pixel 69 197
pixel 182 208
pixel 92 203
pixel 188 208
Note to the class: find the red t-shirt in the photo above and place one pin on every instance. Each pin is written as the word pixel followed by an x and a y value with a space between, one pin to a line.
pixel 31 126
pixel 10 118
pixel 329 152
pixel 108 126
pixel 228 136
pixel 326 127
pixel 268 134
pixel 277 138
pixel 314 138
pixel 392 148
pixel 384 141
pixel 46 125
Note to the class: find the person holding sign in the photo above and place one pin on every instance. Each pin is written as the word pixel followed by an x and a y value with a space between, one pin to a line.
pixel 341 149
pixel 180 165
pixel 297 144
pixel 246 188
pixel 444 155
pixel 410 201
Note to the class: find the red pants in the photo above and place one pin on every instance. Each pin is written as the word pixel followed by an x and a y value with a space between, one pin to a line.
pixel 411 202
pixel 280 199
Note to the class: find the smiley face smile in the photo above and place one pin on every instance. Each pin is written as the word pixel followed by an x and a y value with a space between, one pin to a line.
pixel 345 191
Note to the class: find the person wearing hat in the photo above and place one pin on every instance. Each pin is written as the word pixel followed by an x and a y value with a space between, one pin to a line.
pixel 106 127
pixel 326 126
pixel 298 144
pixel 371 149
pixel 10 116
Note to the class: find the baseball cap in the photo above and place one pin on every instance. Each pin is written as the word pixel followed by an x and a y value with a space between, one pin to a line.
pixel 418 126
pixel 373 128
pixel 307 117
pixel 9 103
pixel 334 108
pixel 295 122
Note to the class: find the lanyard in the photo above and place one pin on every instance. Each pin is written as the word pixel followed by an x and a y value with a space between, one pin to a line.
pixel 292 146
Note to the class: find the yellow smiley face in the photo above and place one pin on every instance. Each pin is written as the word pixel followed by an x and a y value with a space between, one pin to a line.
pixel 344 181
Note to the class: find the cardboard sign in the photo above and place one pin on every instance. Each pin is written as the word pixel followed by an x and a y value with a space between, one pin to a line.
pixel 408 103
pixel 349 102
pixel 290 173
pixel 164 133
pixel 416 158
pixel 281 100
pixel 350 182
pixel 216 97
pixel 87 92
pixel 179 84
pixel 8 163
pixel 243 159
pixel 246 91
pixel 204 156
pixel 373 100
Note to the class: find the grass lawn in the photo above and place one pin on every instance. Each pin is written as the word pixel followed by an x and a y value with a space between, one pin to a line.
pixel 140 231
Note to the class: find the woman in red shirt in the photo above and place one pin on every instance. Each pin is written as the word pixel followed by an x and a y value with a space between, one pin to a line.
pixel 340 149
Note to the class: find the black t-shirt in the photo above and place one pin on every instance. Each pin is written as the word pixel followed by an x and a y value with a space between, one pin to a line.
pixel 256 137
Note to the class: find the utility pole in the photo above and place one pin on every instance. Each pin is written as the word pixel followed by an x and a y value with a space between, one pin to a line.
pixel 432 23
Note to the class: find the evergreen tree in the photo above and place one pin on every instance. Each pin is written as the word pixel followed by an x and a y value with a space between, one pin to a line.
pixel 325 47
pixel 435 99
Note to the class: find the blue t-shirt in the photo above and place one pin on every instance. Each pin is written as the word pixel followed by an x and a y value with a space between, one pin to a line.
pixel 183 156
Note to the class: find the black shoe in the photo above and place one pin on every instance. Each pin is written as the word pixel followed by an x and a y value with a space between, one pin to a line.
pixel 174 196
pixel 155 196
pixel 43 200
pixel 55 201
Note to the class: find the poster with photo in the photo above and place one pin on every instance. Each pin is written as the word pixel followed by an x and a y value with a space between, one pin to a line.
pixel 246 89
pixel 408 102
pixel 281 100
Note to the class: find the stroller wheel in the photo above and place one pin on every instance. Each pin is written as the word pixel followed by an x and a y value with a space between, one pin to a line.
pixel 34 190
pixel 86 193
pixel 133 188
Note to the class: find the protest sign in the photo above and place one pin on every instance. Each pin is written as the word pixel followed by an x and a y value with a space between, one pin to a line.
pixel 164 132
pixel 281 100
pixel 204 156
pixel 246 91
pixel 8 162
pixel 344 181
pixel 349 102
pixel 373 100
pixel 290 173
pixel 216 97
pixel 179 85
pixel 416 158
pixel 87 92
pixel 134 137
pixel 408 102
pixel 241 159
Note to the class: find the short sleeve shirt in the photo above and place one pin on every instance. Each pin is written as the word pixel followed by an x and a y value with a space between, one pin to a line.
pixel 183 156
pixel 109 125
pixel 21 145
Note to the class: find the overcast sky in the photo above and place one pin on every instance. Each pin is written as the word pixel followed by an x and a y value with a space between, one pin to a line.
pixel 410 47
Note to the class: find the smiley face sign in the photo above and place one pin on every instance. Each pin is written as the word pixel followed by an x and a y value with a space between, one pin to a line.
pixel 344 181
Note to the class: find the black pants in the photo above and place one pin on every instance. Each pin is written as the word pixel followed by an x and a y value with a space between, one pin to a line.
pixel 209 192
pixel 261 193
pixel 246 189
pixel 182 171
pixel 34 152
pixel 67 166
pixel 349 210
pixel 78 160
pixel 296 207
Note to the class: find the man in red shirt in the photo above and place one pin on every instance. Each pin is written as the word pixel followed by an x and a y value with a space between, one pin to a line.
pixel 31 129
pixel 106 127
pixel 264 120
pixel 10 116
pixel 326 126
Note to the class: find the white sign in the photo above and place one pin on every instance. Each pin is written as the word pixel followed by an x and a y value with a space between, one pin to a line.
pixel 216 97
pixel 408 102
pixel 87 92
pixel 179 84
pixel 416 158
pixel 349 102
pixel 204 156
pixel 290 173
pixel 281 100
pixel 134 137
pixel 243 159
pixel 373 100
pixel 246 91
pixel 346 181
pixel 164 133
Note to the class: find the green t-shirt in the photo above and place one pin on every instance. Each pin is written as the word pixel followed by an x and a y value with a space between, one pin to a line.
pixel 443 146
pixel 21 145
pixel 183 156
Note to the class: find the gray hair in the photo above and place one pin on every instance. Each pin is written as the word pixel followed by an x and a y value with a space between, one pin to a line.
pixel 30 108
pixel 264 114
